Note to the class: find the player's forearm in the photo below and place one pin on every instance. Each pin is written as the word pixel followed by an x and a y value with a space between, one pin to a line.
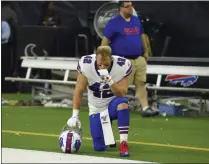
pixel 144 43
pixel 117 90
pixel 77 100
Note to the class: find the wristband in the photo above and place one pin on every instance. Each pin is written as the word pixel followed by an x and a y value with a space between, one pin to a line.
pixel 111 82
pixel 75 112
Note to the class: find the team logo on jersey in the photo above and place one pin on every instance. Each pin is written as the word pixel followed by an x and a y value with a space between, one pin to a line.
pixel 104 118
pixel 183 80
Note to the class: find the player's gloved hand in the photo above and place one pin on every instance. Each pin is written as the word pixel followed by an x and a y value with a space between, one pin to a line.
pixel 106 76
pixel 74 120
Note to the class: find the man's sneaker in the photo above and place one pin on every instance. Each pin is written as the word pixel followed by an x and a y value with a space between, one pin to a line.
pixel 113 145
pixel 149 112
pixel 124 149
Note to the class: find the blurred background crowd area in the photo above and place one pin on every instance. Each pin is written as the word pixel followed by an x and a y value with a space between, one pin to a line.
pixel 185 23
pixel 53 26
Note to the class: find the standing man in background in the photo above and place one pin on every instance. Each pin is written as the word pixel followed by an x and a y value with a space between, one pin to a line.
pixel 5 32
pixel 5 55
pixel 125 35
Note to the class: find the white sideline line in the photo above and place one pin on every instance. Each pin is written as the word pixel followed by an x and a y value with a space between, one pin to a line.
pixel 10 155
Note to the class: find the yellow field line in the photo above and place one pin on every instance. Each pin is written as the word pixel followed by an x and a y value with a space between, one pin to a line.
pixel 131 142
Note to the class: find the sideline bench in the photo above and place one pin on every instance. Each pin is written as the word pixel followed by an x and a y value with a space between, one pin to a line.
pixel 70 64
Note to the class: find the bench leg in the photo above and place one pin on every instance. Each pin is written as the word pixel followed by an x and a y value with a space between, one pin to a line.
pixel 33 94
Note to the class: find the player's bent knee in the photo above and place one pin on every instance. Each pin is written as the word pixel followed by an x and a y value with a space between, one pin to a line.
pixel 122 106
pixel 114 106
pixel 122 103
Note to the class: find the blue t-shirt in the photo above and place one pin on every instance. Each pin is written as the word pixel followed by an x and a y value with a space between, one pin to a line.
pixel 124 36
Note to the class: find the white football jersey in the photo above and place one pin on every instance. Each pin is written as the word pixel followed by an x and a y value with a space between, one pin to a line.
pixel 99 93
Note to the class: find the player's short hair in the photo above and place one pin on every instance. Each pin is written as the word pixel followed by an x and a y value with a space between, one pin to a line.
pixel 104 51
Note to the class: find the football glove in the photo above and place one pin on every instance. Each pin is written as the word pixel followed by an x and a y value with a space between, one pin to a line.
pixel 74 120
pixel 106 76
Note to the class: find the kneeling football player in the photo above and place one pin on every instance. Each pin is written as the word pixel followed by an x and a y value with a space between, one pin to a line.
pixel 106 78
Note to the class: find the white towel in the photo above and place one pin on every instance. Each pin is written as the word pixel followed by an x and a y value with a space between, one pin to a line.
pixel 107 128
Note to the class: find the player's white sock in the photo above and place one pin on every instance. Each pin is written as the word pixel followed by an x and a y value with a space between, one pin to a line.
pixel 123 137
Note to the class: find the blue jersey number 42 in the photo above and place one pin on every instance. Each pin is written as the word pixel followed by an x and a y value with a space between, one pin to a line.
pixel 104 92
